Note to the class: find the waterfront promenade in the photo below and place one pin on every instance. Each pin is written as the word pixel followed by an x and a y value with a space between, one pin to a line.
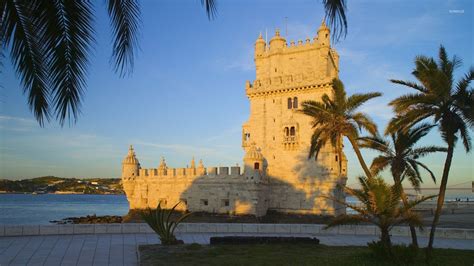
pixel 121 249
pixel 97 245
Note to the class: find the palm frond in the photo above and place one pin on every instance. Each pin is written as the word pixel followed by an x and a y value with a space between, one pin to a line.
pixel 433 177
pixel 423 151
pixel 375 143
pixel 356 100
pixel 19 26
pixel 364 121
pixel 412 176
pixel 346 219
pixel 379 164
pixel 68 38
pixel 124 20
pixel 410 84
pixel 211 8
pixel 336 16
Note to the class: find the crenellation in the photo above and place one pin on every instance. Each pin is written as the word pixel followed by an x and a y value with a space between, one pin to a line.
pixel 152 172
pixel 143 172
pixel 212 171
pixel 223 171
pixel 171 172
pixel 235 170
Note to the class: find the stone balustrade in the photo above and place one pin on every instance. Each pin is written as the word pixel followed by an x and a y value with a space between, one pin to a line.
pixel 314 229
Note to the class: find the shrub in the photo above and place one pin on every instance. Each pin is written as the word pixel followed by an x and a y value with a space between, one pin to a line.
pixel 160 221
pixel 401 254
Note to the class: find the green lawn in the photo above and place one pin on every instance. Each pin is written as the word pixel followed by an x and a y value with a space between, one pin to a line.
pixel 283 254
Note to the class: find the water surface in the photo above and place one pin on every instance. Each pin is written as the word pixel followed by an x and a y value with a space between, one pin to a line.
pixel 40 209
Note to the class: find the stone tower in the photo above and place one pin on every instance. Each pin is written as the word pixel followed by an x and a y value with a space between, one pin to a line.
pixel 277 173
pixel 286 76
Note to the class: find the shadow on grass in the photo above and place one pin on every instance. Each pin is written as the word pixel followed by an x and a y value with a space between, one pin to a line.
pixel 283 254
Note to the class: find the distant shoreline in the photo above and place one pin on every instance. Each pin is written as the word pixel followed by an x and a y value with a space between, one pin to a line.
pixel 59 193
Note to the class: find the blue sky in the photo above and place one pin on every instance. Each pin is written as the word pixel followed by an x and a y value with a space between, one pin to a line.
pixel 186 96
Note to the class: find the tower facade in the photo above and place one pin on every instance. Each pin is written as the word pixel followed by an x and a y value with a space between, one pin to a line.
pixel 286 76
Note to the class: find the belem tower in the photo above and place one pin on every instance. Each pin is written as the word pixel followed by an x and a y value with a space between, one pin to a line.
pixel 277 174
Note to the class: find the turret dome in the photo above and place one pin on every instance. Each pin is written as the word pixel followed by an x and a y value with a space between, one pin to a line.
pixel 277 41
pixel 253 153
pixel 130 158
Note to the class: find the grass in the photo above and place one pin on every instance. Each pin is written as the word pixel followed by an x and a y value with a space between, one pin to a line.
pixel 283 254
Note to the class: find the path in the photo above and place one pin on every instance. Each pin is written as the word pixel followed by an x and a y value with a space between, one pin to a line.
pixel 120 249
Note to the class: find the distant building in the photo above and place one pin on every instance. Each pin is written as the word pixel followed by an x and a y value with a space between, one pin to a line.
pixel 277 174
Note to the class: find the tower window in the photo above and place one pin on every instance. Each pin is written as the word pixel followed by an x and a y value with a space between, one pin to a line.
pixel 256 166
pixel 336 158
pixel 292 131
pixel 204 202
pixel 247 136
pixel 290 103
pixel 287 131
pixel 225 203
pixel 295 102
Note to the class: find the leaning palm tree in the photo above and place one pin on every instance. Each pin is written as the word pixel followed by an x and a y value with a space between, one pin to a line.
pixel 401 156
pixel 336 117
pixel 449 104
pixel 380 205
pixel 50 41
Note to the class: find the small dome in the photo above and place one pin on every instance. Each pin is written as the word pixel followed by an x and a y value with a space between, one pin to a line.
pixel 253 153
pixel 260 39
pixel 162 165
pixel 130 158
pixel 277 37
pixel 323 27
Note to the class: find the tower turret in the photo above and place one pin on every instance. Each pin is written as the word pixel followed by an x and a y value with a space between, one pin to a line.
pixel 260 46
pixel 277 42
pixel 162 168
pixel 130 164
pixel 324 35
pixel 254 162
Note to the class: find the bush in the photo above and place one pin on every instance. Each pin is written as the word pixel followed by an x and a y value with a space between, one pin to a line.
pixel 160 221
pixel 400 254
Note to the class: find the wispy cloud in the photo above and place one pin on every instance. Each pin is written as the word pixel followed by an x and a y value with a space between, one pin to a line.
pixel 243 62
pixel 179 148
pixel 17 124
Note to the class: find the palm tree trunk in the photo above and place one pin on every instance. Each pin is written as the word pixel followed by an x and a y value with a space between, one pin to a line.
pixel 355 146
pixel 442 192
pixel 385 238
pixel 414 239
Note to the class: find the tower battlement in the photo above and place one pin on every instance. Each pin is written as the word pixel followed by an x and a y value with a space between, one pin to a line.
pixel 282 66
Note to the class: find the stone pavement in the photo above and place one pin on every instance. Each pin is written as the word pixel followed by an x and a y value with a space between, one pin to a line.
pixel 120 249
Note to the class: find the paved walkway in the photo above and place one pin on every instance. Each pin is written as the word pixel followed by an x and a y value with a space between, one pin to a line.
pixel 120 249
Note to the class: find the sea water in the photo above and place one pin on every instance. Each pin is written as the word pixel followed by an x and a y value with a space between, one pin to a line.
pixel 42 208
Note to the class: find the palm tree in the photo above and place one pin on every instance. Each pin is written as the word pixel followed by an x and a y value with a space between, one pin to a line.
pixel 50 43
pixel 449 104
pixel 337 117
pixel 402 158
pixel 380 205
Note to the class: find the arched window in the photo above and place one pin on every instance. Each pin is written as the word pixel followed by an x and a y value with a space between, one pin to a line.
pixel 295 103
pixel 287 131
pixel 290 104
pixel 256 166
pixel 292 131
